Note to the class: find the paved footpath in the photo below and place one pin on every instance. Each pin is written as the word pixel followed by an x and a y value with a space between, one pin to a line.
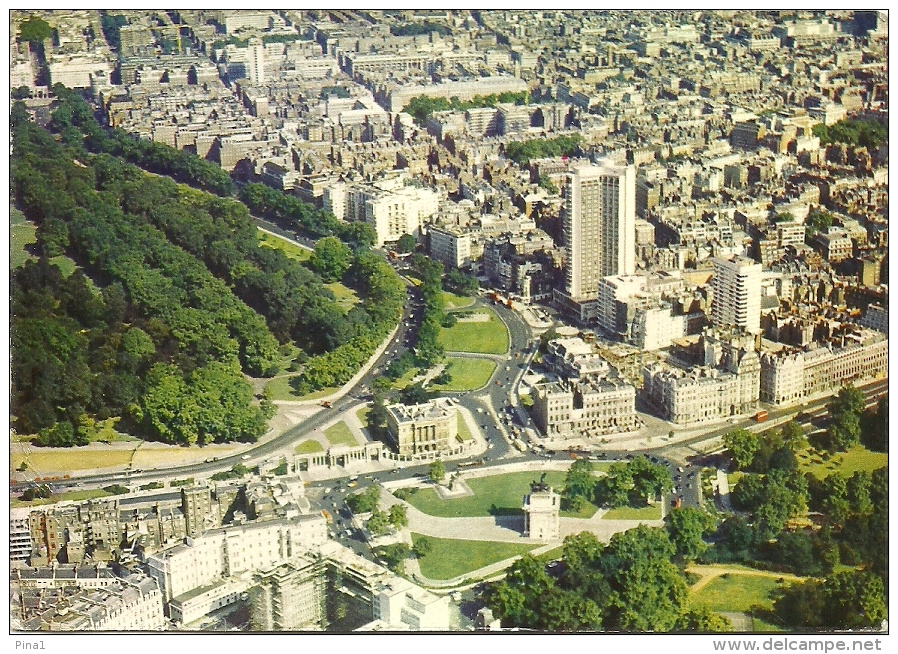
pixel 506 529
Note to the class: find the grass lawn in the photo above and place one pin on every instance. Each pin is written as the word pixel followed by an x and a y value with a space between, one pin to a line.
pixel 76 458
pixel 281 390
pixel 339 434
pixel 450 558
pixel 463 432
pixel 552 555
pixel 494 495
pixel 173 454
pixel 467 374
pixel 74 496
pixel 406 379
pixel 346 297
pixel 760 625
pixel 362 415
pixel 490 337
pixel 290 249
pixel 454 301
pixel 629 513
pixel 317 395
pixel 308 447
pixel 856 458
pixel 23 233
pixel 736 593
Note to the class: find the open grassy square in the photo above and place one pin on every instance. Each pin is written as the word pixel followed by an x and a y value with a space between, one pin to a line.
pixel 73 496
pixel 493 495
pixel 308 447
pixel 855 459
pixel 339 434
pixel 346 297
pixel 467 374
pixel 453 301
pixel 65 460
pixel 737 593
pixel 406 379
pixel 629 513
pixel 488 336
pixel 292 250
pixel 280 388
pixel 449 558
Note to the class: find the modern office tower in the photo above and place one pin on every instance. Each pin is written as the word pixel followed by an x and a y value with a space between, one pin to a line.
pixel 599 227
pixel 255 63
pixel 290 597
pixel 737 294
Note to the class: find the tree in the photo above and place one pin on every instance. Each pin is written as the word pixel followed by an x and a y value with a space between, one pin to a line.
pixel 34 30
pixel 406 244
pixel 845 426
pixel 437 471
pixel 650 594
pixel 742 445
pixel 852 599
pixel 379 523
pixel 414 394
pixel 579 484
pixel 422 547
pixel 702 620
pixel 458 282
pixel 686 528
pixel 398 516
pixel 736 537
pixel 364 502
pixel 875 427
pixel 331 259
pixel 792 435
pixel 394 555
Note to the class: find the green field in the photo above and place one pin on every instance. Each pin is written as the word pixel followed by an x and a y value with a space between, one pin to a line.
pixel 362 415
pixel 280 388
pixel 467 374
pixel 44 461
pixel 22 233
pixel 855 459
pixel 449 558
pixel 494 495
pixel 629 513
pixel 73 496
pixel 406 379
pixel 453 301
pixel 736 593
pixel 346 297
pixel 463 432
pixel 490 337
pixel 308 447
pixel 339 434
pixel 290 249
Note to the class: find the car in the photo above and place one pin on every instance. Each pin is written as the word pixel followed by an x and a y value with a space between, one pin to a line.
pixel 679 468
pixel 245 457
pixel 352 484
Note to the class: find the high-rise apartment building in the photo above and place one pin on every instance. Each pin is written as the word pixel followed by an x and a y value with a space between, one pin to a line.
pixel 255 62
pixel 599 228
pixel 737 294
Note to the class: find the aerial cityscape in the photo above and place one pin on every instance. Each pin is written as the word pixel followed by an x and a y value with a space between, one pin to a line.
pixel 449 321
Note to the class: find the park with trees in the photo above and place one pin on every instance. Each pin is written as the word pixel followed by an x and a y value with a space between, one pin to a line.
pixel 176 275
